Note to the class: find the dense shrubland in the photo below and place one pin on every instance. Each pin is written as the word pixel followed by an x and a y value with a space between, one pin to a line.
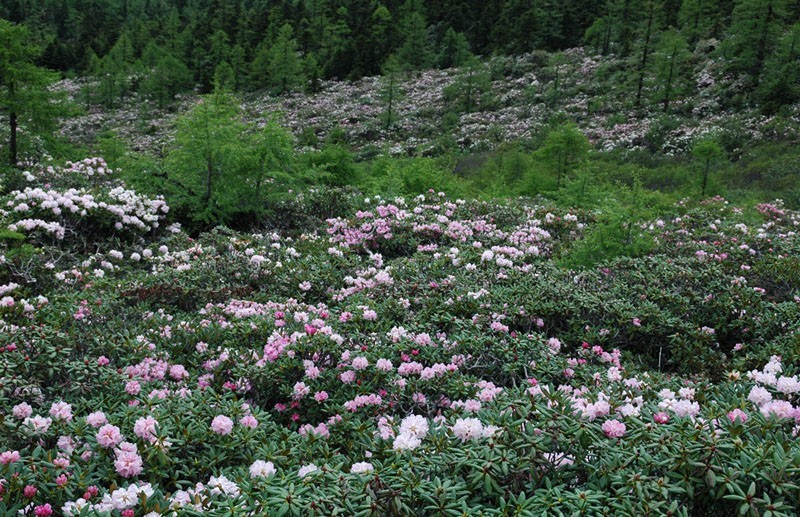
pixel 379 356
pixel 261 300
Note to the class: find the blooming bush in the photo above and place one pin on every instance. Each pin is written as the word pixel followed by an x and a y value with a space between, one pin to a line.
pixel 407 356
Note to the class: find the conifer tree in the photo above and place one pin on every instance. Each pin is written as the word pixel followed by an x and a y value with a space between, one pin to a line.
pixel 391 91
pixel 203 159
pixel 646 45
pixel 25 100
pixel 565 148
pixel 454 49
pixel 670 68
pixel 780 82
pixel 415 51
pixel 472 86
pixel 284 64
pixel 707 150
pixel 755 29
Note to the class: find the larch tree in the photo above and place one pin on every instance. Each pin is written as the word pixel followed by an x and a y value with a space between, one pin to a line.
pixel 646 48
pixel 472 86
pixel 697 19
pixel 203 162
pixel 25 100
pixel 270 162
pixel 391 91
pixel 780 82
pixel 670 69
pixel 415 51
pixel 565 148
pixel 284 64
pixel 755 30
pixel 454 49
pixel 707 150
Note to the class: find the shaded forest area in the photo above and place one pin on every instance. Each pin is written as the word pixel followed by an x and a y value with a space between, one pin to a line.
pixel 166 47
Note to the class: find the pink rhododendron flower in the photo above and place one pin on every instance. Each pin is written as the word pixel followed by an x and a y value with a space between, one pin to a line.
pixel 43 510
pixel 614 428
pixel 414 425
pixel 108 436
pixel 406 442
pixel 128 463
pixel 788 385
pixel 9 457
pixel 145 428
pixel 306 470
pixel 22 411
pixel 737 414
pixel 61 411
pixel 360 363
pixel 37 424
pixel 778 409
pixel 96 419
pixel 61 462
pixel 262 469
pixel 133 388
pixel 759 396
pixel 468 429
pixel 686 408
pixel 222 425
pixel 300 390
pixel 362 467
pixel 249 421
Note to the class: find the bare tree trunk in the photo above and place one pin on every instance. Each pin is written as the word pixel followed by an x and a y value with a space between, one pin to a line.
pixel 645 52
pixel 12 126
pixel 668 89
pixel 761 52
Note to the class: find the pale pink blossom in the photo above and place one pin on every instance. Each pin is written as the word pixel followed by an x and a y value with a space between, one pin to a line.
pixel 222 425
pixel 249 421
pixel 96 419
pixel 759 396
pixel 108 436
pixel 9 457
pixel 614 428
pixel 468 429
pixel 737 414
pixel 128 464
pixel 262 469
pixel 22 410
pixel 360 363
pixel 362 467
pixel 145 428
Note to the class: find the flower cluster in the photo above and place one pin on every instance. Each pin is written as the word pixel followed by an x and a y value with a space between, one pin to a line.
pixel 453 356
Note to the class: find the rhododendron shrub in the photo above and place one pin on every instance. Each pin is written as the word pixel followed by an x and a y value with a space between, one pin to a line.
pixel 409 357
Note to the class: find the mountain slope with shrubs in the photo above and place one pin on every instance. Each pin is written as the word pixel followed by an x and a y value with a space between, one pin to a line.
pixel 512 99
pixel 427 355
